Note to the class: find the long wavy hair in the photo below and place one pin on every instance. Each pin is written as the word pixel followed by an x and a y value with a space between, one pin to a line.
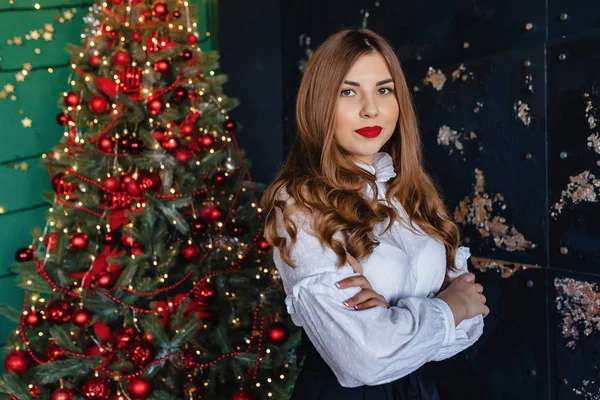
pixel 323 179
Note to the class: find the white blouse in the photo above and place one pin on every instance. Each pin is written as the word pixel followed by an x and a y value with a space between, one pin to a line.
pixel 377 345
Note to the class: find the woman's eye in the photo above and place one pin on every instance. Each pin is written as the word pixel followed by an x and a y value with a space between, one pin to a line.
pixel 346 90
pixel 385 88
pixel 343 92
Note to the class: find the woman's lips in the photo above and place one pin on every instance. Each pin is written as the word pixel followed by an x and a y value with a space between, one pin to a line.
pixel 369 131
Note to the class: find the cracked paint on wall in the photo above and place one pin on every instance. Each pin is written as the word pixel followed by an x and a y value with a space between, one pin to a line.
pixel 452 139
pixel 481 209
pixel 505 268
pixel 522 112
pixel 435 78
pixel 583 187
pixel 578 305
pixel 589 390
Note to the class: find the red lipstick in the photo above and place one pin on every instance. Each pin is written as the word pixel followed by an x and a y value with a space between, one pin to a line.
pixel 369 131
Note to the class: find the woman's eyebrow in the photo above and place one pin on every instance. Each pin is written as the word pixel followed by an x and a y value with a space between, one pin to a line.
pixel 383 82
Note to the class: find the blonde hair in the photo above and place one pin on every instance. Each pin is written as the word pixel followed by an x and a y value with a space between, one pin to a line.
pixel 322 178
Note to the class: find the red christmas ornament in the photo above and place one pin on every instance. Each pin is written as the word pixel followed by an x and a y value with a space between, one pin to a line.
pixel 134 146
pixel 95 61
pixel 50 241
pixel 136 36
pixel 54 352
pixel 190 252
pixel 82 317
pixel 176 14
pixel 96 388
pixel 186 128
pixel 184 155
pixel 205 292
pixel 138 388
pixel 141 353
pixel 263 245
pixel 150 181
pixel 104 280
pixel 160 10
pixel 106 144
pixel 192 39
pixel 158 134
pixel 130 79
pixel 113 34
pixel 79 241
pixel 111 183
pixel 211 213
pixel 187 54
pixel 72 99
pixel 230 125
pixel 155 106
pixel 133 188
pixel 206 141
pixel 146 14
pixel 123 337
pixel 241 394
pixel 62 394
pixel 60 186
pixel 117 201
pixel 58 311
pixel 24 254
pixel 161 65
pixel 170 144
pixel 62 119
pixel 121 58
pixel 179 94
pixel 32 319
pixel 16 361
pixel 219 177
pixel 108 238
pixel 277 333
pixel 129 241
pixel 98 105
pixel 34 391
pixel 117 2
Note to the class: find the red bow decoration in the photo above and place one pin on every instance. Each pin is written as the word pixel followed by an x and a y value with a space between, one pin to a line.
pixel 155 44
pixel 193 306
pixel 99 265
pixel 106 85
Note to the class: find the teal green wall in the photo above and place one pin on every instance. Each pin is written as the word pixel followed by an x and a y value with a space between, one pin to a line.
pixel 36 98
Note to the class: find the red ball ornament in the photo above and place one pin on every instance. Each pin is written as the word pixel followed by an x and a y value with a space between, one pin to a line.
pixel 113 34
pixel 186 128
pixel 72 99
pixel 62 119
pixel 146 14
pixel 106 144
pixel 95 61
pixel 134 146
pixel 34 391
pixel 117 201
pixel 111 183
pixel 129 241
pixel 58 311
pixel 24 254
pixel 230 125
pixel 187 55
pixel 138 388
pixel 158 134
pixel 263 245
pixel 130 79
pixel 123 337
pixel 184 155
pixel 109 238
pixel 82 317
pixel 16 361
pixel 161 65
pixel 277 333
pixel 155 106
pixel 133 188
pixel 176 14
pixel 179 94
pixel 136 36
pixel 192 39
pixel 190 252
pixel 98 105
pixel 79 241
pixel 241 394
pixel 206 141
pixel 219 177
pixel 104 280
pixel 117 2
pixel 150 181
pixel 141 353
pixel 121 58
pixel 61 186
pixel 32 319
pixel 96 388
pixel 54 352
pixel 170 144
pixel 160 10
pixel 62 394
pixel 211 213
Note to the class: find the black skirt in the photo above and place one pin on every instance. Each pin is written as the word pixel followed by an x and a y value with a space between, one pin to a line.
pixel 318 382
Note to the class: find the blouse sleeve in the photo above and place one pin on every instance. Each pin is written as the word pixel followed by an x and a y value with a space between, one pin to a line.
pixel 469 330
pixel 366 347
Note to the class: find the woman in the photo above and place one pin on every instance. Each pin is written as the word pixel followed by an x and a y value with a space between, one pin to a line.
pixel 353 188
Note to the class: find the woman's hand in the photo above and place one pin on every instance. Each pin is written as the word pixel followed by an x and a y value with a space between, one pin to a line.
pixel 465 298
pixel 367 297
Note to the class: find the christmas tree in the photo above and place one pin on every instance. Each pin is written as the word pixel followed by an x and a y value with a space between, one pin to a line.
pixel 151 278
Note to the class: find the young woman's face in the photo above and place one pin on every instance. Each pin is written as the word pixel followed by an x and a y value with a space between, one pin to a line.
pixel 366 100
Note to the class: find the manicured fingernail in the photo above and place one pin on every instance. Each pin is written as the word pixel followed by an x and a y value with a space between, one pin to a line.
pixel 338 285
pixel 346 304
pixel 356 306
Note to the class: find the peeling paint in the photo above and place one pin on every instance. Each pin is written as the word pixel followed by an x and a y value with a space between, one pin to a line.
pixel 522 112
pixel 505 268
pixel 583 187
pixel 578 305
pixel 436 78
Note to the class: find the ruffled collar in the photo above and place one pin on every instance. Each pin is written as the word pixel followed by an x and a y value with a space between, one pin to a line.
pixel 382 168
